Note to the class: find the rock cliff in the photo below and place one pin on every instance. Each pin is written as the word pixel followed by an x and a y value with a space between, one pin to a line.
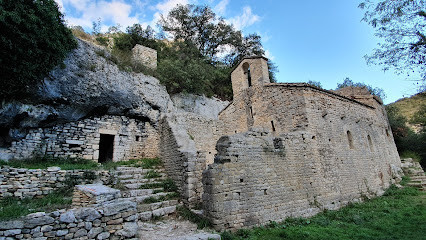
pixel 88 84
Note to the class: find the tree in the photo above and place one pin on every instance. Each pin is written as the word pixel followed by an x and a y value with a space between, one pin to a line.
pixel 33 40
pixel 402 26
pixel 347 82
pixel 218 44
pixel 315 83
pixel 211 35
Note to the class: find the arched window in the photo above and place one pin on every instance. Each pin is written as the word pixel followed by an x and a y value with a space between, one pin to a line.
pixel 246 68
pixel 350 139
pixel 370 143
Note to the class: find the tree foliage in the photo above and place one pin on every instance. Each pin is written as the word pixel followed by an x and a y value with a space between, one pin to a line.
pixel 33 40
pixel 219 45
pixel 402 26
pixel 347 82
pixel 214 38
pixel 406 140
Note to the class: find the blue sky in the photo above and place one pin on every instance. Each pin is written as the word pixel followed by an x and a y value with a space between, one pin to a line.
pixel 314 40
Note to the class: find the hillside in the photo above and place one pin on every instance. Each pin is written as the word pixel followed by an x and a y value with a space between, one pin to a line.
pixel 408 106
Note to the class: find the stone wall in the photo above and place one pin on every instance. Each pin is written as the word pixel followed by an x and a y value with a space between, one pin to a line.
pixel 28 183
pixel 259 106
pixel 145 56
pixel 259 177
pixel 115 220
pixel 132 139
pixel 188 143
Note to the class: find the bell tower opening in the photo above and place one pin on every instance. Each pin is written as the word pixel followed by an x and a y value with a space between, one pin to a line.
pixel 246 69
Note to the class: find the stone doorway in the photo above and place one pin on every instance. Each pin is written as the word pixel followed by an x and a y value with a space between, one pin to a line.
pixel 106 148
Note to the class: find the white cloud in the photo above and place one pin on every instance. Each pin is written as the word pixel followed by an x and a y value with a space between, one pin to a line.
pixel 247 18
pixel 269 55
pixel 165 6
pixel 110 12
pixel 220 8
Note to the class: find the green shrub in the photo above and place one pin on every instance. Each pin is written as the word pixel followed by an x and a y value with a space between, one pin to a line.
pixel 102 41
pixel 410 154
pixel 169 185
pixel 34 40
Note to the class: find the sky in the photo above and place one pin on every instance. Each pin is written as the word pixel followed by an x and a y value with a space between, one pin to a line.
pixel 309 40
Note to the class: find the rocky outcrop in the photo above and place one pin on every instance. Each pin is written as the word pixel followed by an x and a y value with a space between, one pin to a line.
pixel 89 84
pixel 201 105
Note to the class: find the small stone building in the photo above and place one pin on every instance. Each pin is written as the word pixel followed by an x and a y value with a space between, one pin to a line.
pixel 106 138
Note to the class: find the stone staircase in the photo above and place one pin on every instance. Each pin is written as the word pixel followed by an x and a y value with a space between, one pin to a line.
pixel 413 170
pixel 145 187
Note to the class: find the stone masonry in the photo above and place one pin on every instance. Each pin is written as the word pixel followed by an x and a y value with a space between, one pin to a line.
pixel 130 138
pixel 294 150
pixel 115 220
pixel 29 183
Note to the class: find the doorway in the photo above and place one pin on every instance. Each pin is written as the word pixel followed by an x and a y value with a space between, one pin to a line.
pixel 106 148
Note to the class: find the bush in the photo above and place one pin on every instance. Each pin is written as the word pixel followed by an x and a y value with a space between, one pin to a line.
pixel 102 41
pixel 34 39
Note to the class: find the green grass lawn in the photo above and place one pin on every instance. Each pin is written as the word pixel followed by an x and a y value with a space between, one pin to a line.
pixel 11 208
pixel 399 214
pixel 45 162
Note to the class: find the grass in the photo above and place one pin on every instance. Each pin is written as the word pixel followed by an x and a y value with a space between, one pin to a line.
pixel 11 208
pixel 399 214
pixel 410 154
pixel 152 174
pixel 168 185
pixel 186 214
pixel 43 162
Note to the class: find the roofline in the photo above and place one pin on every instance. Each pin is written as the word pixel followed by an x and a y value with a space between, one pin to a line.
pixel 309 86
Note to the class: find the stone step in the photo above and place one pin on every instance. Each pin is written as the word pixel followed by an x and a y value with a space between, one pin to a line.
pixel 139 199
pixel 160 212
pixel 139 192
pixel 143 207
pixel 137 185
pixel 130 181
pixel 139 171
pixel 137 176
pixel 413 178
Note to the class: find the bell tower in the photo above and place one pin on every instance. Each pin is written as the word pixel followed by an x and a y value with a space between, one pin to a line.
pixel 251 71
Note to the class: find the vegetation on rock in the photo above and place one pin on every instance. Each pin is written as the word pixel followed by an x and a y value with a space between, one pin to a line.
pixel 197 58
pixel 34 39
pixel 347 82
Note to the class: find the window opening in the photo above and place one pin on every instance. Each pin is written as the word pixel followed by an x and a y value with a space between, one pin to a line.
pixel 370 143
pixel 350 139
pixel 246 68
